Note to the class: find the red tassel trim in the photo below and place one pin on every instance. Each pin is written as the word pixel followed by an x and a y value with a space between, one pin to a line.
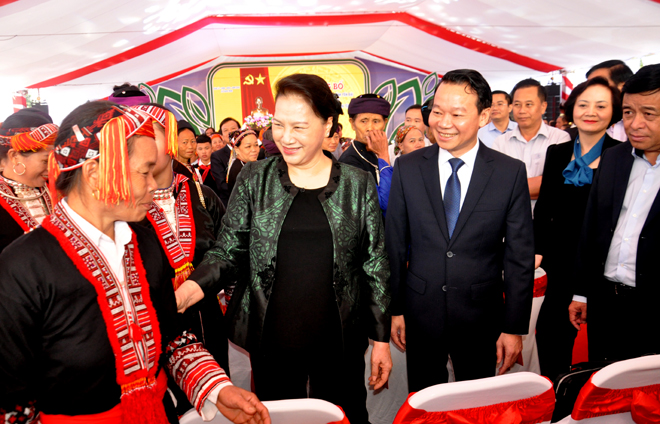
pixel 114 169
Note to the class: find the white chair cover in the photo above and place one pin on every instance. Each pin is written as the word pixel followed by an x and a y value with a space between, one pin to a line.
pixel 293 411
pixel 467 395
pixel 632 373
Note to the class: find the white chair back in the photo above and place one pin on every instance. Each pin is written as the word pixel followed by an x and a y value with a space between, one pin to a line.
pixel 482 392
pixel 637 372
pixel 501 392
pixel 291 411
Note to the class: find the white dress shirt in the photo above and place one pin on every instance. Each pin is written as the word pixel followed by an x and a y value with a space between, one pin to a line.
pixel 489 133
pixel 642 190
pixel 643 187
pixel 464 172
pixel 113 252
pixel 531 152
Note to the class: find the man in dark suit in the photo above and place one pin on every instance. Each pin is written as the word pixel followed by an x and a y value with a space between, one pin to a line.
pixel 459 215
pixel 220 159
pixel 620 244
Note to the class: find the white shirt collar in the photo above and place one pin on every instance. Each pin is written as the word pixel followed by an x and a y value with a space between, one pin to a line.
pixel 544 130
pixel 468 157
pixel 491 127
pixel 643 157
pixel 123 233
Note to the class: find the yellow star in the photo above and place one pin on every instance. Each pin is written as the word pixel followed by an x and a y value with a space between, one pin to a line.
pixel 260 79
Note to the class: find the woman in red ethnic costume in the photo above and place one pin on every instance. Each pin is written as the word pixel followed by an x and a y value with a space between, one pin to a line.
pixel 26 137
pixel 88 318
pixel 186 226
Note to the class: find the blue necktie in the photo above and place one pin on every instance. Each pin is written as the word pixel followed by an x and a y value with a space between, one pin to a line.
pixel 452 198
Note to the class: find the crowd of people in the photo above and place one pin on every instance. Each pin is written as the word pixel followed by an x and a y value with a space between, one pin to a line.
pixel 122 226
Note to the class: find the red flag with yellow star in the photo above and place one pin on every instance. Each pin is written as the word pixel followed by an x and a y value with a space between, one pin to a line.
pixel 255 82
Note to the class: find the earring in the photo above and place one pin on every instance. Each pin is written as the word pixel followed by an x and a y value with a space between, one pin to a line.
pixel 24 168
pixel 95 194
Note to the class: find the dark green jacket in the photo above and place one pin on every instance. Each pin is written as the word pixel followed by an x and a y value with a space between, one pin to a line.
pixel 246 249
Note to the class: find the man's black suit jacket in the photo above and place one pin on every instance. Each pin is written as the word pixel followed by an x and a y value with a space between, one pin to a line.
pixel 219 164
pixel 603 209
pixel 442 285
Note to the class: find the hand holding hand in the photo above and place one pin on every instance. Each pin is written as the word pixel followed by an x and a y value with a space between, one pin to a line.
pixel 381 365
pixel 509 347
pixel 241 406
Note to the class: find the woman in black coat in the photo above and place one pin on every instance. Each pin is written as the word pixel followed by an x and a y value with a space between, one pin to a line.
pixel 568 172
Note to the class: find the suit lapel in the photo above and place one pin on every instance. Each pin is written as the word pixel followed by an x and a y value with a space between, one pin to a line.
pixel 480 177
pixel 621 184
pixel 431 177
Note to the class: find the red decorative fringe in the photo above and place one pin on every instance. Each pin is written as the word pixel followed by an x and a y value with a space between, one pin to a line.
pixel 114 169
pixel 24 142
pixel 171 134
pixel 140 403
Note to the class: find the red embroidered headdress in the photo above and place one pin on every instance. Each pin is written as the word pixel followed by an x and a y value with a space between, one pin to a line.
pixel 167 119
pixel 105 140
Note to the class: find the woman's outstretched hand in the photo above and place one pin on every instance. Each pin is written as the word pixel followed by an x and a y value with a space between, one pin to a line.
pixel 241 406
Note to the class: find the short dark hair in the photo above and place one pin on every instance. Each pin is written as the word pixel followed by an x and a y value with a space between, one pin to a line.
pixel 414 107
pixel 475 81
pixel 84 115
pixel 203 139
pixel 619 71
pixel 315 92
pixel 530 82
pixel 646 80
pixel 224 121
pixel 617 112
pixel 505 94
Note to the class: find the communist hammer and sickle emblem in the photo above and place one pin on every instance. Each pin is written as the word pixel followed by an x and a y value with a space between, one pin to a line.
pixel 249 80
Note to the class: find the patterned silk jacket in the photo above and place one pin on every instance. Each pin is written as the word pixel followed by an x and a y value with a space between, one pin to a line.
pixel 246 249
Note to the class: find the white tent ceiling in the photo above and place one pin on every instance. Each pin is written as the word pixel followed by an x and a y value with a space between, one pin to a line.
pixel 90 45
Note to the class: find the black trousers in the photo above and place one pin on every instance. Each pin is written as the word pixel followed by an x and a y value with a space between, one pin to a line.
pixel 555 335
pixel 619 325
pixel 334 374
pixel 473 356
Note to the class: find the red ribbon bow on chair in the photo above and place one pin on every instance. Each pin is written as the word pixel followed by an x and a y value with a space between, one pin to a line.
pixel 643 402
pixel 532 410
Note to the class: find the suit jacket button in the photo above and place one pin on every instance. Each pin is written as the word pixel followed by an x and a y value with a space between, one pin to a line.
pixel 444 288
pixel 450 254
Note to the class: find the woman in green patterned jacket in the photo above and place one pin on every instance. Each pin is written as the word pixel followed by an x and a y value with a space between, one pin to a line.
pixel 303 236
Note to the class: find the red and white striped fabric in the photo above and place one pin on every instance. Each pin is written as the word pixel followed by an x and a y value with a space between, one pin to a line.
pixel 194 369
pixel 291 411
pixel 624 392
pixel 566 88
pixel 514 398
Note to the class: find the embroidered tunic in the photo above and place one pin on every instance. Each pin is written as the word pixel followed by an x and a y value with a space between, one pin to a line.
pixel 58 347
